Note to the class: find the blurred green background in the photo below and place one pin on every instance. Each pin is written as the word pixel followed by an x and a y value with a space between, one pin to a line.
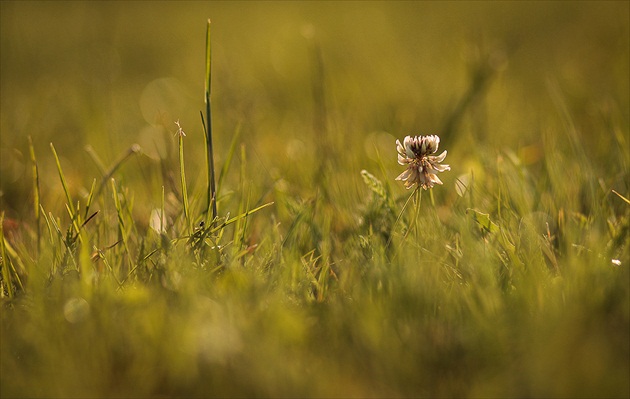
pixel 110 74
pixel 531 100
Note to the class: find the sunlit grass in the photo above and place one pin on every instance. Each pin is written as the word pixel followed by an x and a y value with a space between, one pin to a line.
pixel 321 275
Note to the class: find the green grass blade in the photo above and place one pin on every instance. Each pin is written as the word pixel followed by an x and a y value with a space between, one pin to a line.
pixel 228 158
pixel 212 192
pixel 208 60
pixel 90 198
pixel 63 180
pixel 36 194
pixel 182 175
pixel 239 217
pixel 162 214
pixel 50 233
pixel 96 159
pixel 133 149
pixel 121 225
pixel 6 275
pixel 402 211
pixel 239 230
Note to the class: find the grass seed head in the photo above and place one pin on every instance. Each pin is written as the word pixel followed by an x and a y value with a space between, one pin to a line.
pixel 180 131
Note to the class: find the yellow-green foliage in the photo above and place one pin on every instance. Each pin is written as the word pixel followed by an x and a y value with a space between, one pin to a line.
pixel 320 276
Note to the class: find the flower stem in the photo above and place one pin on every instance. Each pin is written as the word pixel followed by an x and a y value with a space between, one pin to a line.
pixel 402 211
pixel 418 201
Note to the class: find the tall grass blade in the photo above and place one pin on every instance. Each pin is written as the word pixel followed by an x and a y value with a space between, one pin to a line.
pixel 90 198
pixel 66 240
pixel 51 236
pixel 212 192
pixel 63 181
pixel 182 175
pixel 239 230
pixel 36 195
pixel 121 226
pixel 162 215
pixel 6 275
pixel 43 213
pixel 228 158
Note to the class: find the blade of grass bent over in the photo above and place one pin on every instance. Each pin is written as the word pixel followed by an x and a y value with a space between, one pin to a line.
pixel 133 149
pixel 239 217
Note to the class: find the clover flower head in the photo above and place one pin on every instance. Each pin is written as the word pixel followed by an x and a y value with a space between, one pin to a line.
pixel 422 167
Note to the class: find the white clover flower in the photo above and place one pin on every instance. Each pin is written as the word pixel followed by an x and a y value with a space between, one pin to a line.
pixel 422 167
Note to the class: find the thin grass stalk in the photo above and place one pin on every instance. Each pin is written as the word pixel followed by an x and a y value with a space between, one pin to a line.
pixel 121 224
pixel 162 213
pixel 36 195
pixel 64 185
pixel 73 217
pixel 43 213
pixel 55 225
pixel 212 193
pixel 90 198
pixel 320 114
pixel 55 251
pixel 417 203
pixel 481 76
pixel 239 230
pixel 96 159
pixel 182 175
pixel 402 211
pixel 626 200
pixel 239 217
pixel 6 275
pixel 228 159
pixel 65 241
pixel 129 201
pixel 133 149
pixel 111 270
pixel 122 282
pixel 14 260
pixel 325 271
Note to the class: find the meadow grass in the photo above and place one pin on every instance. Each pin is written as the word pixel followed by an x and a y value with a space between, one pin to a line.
pixel 308 271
